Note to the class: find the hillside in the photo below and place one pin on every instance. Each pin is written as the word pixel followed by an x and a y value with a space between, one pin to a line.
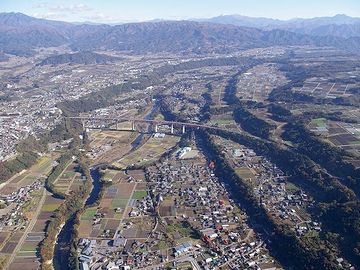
pixel 21 35
pixel 336 26
pixel 85 58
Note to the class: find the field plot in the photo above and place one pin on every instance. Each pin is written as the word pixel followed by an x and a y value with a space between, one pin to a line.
pixel 107 146
pixel 152 149
pixel 104 220
pixel 344 135
pixel 69 180
pixel 245 173
pixel 324 88
pixel 37 171
pixel 258 82
pixel 223 121
pixel 27 256
pixel 24 264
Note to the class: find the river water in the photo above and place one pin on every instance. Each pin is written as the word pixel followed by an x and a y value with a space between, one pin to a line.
pixel 62 245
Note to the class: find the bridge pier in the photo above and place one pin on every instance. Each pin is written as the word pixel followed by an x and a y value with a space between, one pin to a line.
pixel 183 129
pixel 172 128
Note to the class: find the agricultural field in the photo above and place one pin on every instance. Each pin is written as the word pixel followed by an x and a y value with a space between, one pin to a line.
pixel 117 202
pixel 69 180
pixel 224 121
pixel 27 177
pixel 325 88
pixel 340 134
pixel 150 151
pixel 107 146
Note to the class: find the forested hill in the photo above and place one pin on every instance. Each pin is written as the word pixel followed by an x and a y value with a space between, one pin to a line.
pixel 21 35
pixel 78 58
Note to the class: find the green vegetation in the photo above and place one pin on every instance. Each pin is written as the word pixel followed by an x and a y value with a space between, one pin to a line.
pixel 63 161
pixel 3 261
pixel 115 203
pixel 89 214
pixel 163 245
pixel 320 122
pixel 49 207
pixel 329 157
pixel 184 228
pixel 21 162
pixel 252 124
pixel 279 113
pixel 139 194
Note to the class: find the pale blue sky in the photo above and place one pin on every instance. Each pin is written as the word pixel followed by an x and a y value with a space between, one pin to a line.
pixel 139 10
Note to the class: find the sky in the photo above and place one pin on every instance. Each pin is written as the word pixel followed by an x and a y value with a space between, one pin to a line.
pixel 112 11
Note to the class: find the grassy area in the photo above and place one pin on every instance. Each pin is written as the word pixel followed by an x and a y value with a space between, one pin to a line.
pixel 43 166
pixel 183 228
pixel 163 245
pixel 291 187
pixel 50 207
pixel 222 121
pixel 3 260
pixel 68 175
pixel 29 247
pixel 320 122
pixel 118 216
pixel 311 234
pixel 109 174
pixel 88 214
pixel 150 151
pixel 115 203
pixel 244 173
pixel 139 194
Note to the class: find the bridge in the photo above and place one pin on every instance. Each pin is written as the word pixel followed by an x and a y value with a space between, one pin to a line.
pixel 155 123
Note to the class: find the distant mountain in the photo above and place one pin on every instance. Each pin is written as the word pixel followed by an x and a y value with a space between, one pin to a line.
pixel 338 25
pixel 3 57
pixel 21 35
pixel 239 20
pixel 85 58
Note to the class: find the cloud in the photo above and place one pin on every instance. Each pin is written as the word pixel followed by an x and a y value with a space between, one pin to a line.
pixel 73 9
pixel 50 15
pixel 78 8
pixel 101 18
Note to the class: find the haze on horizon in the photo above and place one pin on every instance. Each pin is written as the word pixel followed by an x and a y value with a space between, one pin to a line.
pixel 112 11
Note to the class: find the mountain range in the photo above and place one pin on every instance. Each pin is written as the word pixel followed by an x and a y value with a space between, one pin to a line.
pixel 339 25
pixel 22 35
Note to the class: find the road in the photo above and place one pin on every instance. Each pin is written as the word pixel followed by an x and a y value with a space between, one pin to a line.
pixel 184 258
pixel 28 228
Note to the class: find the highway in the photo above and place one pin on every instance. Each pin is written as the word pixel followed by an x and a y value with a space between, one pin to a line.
pixel 155 122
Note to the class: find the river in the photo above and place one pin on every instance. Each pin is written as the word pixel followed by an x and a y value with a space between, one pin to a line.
pixel 135 144
pixel 62 245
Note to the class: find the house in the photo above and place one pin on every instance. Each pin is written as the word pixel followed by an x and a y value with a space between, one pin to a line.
pixel 84 266
pixel 181 249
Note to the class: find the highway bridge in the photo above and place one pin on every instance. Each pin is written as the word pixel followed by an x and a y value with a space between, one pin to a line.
pixel 133 121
